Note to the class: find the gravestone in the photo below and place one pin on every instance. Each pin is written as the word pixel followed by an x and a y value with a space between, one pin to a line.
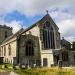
pixel 60 63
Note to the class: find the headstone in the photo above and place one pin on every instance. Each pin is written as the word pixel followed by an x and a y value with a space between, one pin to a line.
pixel 3 66
pixel 60 63
pixel 23 66
pixel 13 73
pixel 28 67
pixel 34 65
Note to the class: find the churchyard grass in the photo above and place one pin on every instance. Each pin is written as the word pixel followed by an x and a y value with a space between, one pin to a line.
pixel 46 71
pixel 41 71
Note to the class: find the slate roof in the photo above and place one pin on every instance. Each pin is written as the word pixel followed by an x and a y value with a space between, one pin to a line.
pixel 35 24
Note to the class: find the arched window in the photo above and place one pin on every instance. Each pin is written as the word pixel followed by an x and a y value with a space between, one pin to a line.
pixel 29 48
pixel 9 48
pixel 4 50
pixel 48 36
pixel 0 51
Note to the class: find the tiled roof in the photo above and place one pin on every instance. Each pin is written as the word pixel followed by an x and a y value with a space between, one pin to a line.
pixel 35 24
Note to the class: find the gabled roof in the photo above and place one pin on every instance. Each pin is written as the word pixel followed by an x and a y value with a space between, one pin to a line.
pixel 21 31
pixel 35 24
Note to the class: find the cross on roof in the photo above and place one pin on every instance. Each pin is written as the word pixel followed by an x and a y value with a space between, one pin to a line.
pixel 47 11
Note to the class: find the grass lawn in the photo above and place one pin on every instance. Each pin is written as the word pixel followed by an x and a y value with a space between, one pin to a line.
pixel 45 71
pixel 40 71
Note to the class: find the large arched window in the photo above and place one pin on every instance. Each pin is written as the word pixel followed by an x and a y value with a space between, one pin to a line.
pixel 48 36
pixel 29 48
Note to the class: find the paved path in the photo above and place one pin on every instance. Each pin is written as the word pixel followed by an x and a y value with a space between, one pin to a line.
pixel 8 73
pixel 12 73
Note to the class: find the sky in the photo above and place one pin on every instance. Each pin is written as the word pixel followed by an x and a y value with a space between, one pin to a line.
pixel 23 13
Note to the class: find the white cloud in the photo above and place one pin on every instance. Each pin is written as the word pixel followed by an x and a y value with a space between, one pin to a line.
pixel 60 14
pixel 65 21
pixel 14 24
pixel 67 29
pixel 31 7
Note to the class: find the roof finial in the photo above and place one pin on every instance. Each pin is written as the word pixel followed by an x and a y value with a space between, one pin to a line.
pixel 47 11
pixel 62 38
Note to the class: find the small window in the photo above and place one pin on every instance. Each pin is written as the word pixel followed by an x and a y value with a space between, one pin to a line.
pixel 5 34
pixel 4 51
pixel 9 48
pixel 45 62
pixel 0 51
pixel 11 60
pixel 7 60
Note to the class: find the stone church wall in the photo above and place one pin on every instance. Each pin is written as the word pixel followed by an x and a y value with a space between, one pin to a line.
pixel 13 44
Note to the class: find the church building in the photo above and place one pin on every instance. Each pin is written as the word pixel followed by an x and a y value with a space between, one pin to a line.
pixel 39 44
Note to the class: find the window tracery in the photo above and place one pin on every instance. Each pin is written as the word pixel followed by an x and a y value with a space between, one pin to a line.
pixel 48 36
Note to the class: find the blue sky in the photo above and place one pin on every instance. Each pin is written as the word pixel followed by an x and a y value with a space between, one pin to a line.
pixel 24 20
pixel 23 13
